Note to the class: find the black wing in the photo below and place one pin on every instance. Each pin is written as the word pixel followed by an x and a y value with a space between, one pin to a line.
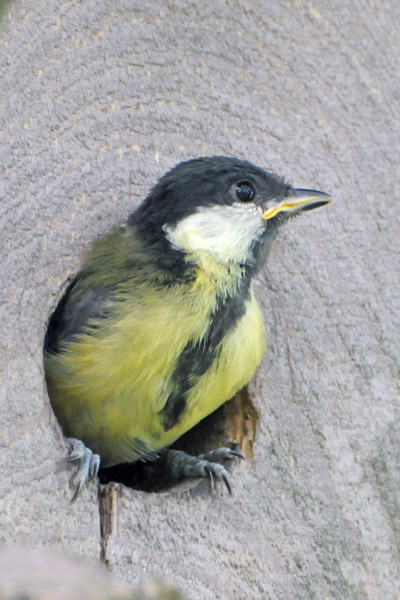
pixel 73 313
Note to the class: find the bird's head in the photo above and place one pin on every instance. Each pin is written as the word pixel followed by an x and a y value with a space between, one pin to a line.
pixel 222 207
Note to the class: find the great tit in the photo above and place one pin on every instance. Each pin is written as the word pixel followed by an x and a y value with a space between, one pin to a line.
pixel 160 326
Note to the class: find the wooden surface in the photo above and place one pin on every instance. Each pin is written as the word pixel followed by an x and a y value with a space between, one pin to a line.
pixel 100 98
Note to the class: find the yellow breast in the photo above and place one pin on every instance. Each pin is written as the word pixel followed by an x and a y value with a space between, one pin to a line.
pixel 108 388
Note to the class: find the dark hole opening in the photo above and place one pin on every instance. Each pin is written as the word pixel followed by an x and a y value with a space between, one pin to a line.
pixel 209 434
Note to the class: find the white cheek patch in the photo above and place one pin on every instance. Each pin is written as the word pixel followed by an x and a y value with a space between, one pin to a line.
pixel 227 232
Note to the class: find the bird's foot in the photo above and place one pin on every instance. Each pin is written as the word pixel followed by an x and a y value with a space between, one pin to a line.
pixel 204 465
pixel 88 467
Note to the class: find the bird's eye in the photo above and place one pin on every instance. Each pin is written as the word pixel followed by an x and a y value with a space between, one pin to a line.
pixel 243 191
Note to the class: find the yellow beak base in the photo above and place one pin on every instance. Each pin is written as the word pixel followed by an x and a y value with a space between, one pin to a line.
pixel 300 201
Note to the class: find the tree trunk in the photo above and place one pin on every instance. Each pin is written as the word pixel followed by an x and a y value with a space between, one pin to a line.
pixel 98 99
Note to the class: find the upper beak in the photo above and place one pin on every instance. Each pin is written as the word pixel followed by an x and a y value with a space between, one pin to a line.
pixel 299 201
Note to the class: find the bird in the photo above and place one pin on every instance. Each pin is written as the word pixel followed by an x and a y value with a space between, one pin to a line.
pixel 161 326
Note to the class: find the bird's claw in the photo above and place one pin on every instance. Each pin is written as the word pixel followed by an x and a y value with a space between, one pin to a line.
pixel 205 465
pixel 221 454
pixel 88 467
pixel 214 472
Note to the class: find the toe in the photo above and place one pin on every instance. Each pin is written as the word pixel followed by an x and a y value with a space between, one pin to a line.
pixel 88 466
pixel 76 450
pixel 221 454
pixel 206 465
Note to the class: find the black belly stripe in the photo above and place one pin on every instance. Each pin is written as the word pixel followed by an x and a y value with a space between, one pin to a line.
pixel 197 357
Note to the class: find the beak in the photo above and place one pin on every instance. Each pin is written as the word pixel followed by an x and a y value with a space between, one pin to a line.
pixel 299 201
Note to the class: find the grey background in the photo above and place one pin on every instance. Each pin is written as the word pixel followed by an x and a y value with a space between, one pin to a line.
pixel 98 99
